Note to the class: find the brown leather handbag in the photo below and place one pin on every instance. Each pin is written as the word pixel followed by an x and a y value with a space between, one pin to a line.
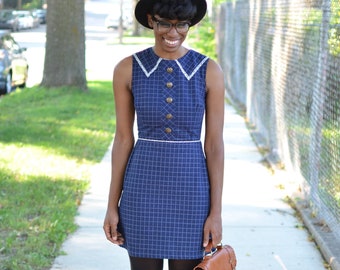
pixel 221 258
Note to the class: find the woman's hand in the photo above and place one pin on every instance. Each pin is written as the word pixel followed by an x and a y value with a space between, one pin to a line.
pixel 213 230
pixel 110 228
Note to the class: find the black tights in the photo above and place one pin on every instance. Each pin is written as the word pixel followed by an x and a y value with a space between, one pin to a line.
pixel 157 264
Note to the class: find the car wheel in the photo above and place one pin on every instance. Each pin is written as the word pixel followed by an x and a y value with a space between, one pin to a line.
pixel 15 28
pixel 22 85
pixel 9 83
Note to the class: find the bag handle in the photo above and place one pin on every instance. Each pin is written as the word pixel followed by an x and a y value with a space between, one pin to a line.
pixel 210 250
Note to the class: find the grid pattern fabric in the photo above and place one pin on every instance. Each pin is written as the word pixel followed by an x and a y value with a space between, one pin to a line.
pixel 165 198
pixel 281 60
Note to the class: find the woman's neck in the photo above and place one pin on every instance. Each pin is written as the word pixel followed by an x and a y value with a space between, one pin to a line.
pixel 170 55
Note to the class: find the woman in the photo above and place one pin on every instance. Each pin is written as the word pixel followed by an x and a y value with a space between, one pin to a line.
pixel 165 194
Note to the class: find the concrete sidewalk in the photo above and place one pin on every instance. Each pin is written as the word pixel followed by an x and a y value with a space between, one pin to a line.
pixel 263 229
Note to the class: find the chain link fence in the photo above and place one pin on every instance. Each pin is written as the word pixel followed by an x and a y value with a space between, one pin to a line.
pixel 282 63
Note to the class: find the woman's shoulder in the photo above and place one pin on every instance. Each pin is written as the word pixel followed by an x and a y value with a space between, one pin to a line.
pixel 124 65
pixel 123 69
pixel 214 67
pixel 126 61
pixel 214 76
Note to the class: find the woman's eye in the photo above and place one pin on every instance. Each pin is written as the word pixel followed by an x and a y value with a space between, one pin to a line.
pixel 165 25
pixel 182 25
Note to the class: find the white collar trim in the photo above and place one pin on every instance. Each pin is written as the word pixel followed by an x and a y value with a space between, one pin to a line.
pixel 188 76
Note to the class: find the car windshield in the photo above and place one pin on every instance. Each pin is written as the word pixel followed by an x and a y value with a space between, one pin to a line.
pixel 22 13
pixel 5 15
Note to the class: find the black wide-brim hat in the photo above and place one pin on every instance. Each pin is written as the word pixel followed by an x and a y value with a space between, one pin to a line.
pixel 143 7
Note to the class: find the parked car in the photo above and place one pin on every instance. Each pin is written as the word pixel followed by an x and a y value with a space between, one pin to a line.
pixel 36 19
pixel 13 64
pixel 41 14
pixel 26 20
pixel 112 20
pixel 9 20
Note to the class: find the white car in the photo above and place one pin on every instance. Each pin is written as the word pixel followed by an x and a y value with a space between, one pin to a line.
pixel 26 20
pixel 112 20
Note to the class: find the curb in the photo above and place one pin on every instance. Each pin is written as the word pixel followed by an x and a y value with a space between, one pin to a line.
pixel 327 242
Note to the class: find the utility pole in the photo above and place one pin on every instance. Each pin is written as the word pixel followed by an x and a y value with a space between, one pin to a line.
pixel 121 22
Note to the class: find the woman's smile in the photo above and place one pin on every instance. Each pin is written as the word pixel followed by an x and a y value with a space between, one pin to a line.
pixel 171 42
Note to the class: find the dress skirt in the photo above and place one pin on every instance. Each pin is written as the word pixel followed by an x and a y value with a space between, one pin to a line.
pixel 165 200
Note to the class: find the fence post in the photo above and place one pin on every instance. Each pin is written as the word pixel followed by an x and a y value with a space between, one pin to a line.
pixel 318 106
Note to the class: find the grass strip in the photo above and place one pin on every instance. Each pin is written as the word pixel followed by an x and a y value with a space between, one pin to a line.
pixel 49 142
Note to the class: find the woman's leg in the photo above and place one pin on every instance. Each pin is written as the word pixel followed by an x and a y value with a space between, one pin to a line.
pixel 183 264
pixel 145 264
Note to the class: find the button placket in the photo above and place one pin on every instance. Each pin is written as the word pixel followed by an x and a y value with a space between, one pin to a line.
pixel 169 98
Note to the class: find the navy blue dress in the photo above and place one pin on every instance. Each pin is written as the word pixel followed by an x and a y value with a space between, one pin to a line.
pixel 166 193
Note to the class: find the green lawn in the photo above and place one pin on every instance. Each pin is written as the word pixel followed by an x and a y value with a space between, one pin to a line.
pixel 49 141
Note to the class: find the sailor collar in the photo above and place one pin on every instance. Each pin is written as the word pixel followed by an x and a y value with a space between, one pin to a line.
pixel 149 62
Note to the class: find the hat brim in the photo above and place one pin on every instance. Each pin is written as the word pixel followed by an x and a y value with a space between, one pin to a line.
pixel 143 8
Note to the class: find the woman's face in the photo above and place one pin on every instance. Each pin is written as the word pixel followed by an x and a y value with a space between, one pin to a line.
pixel 169 34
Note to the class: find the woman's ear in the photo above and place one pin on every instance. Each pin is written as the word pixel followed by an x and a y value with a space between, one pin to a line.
pixel 150 21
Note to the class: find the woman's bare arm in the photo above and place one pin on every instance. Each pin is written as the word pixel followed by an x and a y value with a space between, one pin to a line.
pixel 122 145
pixel 214 150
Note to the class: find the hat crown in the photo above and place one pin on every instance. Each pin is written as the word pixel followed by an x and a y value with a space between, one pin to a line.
pixel 193 10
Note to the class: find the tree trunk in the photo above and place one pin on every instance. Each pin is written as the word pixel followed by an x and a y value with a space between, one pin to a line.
pixel 65 45
pixel 136 27
pixel 121 25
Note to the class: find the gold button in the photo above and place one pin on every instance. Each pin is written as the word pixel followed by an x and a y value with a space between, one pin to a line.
pixel 169 100
pixel 168 130
pixel 169 70
pixel 169 116
pixel 169 84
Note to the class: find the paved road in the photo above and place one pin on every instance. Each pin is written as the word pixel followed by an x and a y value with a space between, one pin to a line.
pixel 98 55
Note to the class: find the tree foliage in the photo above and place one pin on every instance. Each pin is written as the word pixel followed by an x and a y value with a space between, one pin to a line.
pixel 25 4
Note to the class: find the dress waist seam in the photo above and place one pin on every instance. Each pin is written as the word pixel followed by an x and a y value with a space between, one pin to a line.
pixel 166 141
